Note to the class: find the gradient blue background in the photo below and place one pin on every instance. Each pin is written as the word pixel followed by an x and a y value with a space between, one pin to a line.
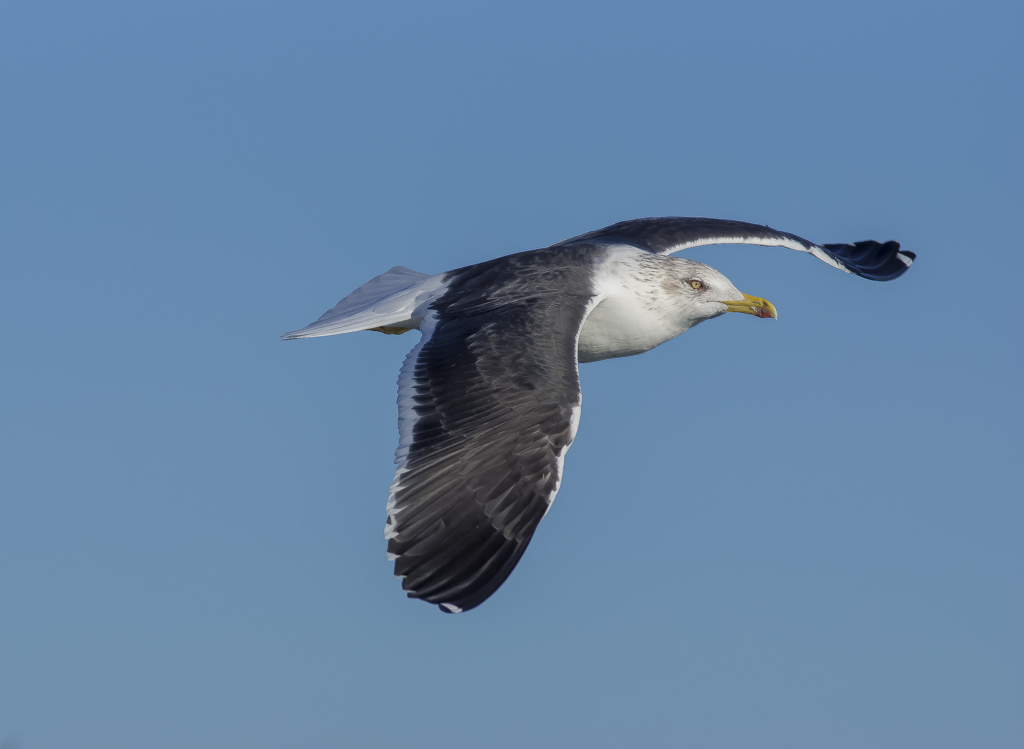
pixel 803 533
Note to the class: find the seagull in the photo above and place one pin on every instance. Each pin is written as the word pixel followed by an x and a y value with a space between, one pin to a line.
pixel 489 398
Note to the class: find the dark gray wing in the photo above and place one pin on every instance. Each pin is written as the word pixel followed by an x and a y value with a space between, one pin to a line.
pixel 488 404
pixel 878 261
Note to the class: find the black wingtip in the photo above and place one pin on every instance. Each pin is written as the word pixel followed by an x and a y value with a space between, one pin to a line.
pixel 877 261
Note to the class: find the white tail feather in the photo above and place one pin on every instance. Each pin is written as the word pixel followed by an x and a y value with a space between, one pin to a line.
pixel 396 299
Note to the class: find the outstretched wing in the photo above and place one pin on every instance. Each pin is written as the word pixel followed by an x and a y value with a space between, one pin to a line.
pixel 488 402
pixel 877 261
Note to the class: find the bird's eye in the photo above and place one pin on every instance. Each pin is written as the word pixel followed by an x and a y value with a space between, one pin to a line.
pixel 698 285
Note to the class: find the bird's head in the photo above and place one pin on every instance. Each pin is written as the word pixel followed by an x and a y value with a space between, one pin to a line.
pixel 705 293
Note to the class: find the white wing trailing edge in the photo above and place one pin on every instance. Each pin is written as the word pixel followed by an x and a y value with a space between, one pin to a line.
pixel 396 299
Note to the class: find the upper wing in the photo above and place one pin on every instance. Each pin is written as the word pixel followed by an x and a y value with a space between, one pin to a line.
pixel 391 298
pixel 878 261
pixel 488 404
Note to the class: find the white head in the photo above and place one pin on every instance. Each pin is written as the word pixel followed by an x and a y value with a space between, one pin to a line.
pixel 650 299
pixel 700 293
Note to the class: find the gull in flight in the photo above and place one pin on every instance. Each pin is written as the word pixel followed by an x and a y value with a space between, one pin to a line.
pixel 489 397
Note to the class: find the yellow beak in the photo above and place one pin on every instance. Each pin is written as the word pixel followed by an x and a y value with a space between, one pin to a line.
pixel 753 305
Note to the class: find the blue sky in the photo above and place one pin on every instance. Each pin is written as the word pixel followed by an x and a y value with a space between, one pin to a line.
pixel 800 533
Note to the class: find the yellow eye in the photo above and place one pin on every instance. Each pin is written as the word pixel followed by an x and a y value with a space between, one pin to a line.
pixel 697 284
